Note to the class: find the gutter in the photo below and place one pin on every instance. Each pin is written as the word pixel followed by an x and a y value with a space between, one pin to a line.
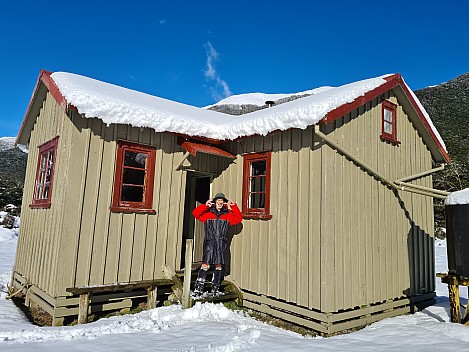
pixel 398 185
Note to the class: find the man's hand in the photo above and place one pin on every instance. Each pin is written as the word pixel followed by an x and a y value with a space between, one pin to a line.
pixel 209 203
pixel 230 203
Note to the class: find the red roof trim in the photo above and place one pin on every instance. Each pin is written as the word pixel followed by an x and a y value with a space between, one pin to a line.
pixel 391 82
pixel 46 79
pixel 53 89
pixel 193 148
pixel 423 118
pixel 349 107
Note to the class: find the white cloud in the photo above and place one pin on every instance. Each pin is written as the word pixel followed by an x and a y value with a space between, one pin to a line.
pixel 221 89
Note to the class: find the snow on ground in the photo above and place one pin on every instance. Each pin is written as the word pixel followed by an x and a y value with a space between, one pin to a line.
pixel 212 327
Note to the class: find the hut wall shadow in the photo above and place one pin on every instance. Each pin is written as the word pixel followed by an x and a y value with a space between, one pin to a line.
pixel 420 247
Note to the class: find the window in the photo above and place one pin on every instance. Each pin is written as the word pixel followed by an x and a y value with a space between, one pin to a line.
pixel 44 174
pixel 388 131
pixel 133 183
pixel 256 186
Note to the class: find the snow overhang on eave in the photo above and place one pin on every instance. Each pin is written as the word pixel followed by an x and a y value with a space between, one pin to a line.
pixel 422 125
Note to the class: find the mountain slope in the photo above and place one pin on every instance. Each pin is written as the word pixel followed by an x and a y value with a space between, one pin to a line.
pixel 448 107
pixel 12 171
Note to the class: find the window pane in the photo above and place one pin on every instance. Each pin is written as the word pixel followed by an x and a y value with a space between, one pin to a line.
pixel 258 168
pixel 132 194
pixel 257 200
pixel 388 115
pixel 38 190
pixel 387 127
pixel 257 184
pixel 49 166
pixel 41 178
pixel 135 159
pixel 46 190
pixel 134 177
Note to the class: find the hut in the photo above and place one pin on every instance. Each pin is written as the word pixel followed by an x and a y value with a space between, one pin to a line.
pixel 335 190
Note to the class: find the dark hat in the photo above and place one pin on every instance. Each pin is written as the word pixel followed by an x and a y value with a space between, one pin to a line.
pixel 220 195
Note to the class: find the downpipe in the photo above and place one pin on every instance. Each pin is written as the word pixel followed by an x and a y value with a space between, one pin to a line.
pixel 398 186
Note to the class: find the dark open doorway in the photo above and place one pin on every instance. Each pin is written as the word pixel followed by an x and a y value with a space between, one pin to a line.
pixel 197 192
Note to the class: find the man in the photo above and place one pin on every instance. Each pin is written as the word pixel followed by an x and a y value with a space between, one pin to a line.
pixel 218 215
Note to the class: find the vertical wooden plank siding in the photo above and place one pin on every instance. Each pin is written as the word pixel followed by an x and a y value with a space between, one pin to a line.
pixel 78 241
pixel 136 245
pixel 37 251
pixel 364 226
pixel 381 253
pixel 338 164
pixel 101 229
pixel 314 223
pixel 73 205
pixel 338 238
pixel 329 208
pixel 303 198
pixel 90 202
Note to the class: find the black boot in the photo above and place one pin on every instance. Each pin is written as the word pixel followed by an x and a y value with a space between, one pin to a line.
pixel 200 282
pixel 199 287
pixel 216 281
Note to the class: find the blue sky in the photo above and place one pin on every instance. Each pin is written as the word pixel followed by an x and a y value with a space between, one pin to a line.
pixel 197 52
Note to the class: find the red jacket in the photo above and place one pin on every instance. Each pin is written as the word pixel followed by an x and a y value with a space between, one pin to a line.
pixel 203 213
pixel 217 231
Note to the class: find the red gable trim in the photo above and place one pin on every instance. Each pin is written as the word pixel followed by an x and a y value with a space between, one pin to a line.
pixel 349 107
pixel 193 148
pixel 391 82
pixel 53 89
pixel 423 118
pixel 46 79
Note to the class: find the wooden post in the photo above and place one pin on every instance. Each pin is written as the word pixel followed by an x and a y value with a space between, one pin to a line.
pixel 454 304
pixel 186 299
pixel 152 293
pixel 83 307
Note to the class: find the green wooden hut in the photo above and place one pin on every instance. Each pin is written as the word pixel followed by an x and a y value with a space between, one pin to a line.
pixel 335 189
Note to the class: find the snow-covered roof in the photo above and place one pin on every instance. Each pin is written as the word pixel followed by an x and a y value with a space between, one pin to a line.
pixel 114 104
pixel 458 197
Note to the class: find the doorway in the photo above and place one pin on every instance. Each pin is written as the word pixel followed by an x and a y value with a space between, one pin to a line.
pixel 197 192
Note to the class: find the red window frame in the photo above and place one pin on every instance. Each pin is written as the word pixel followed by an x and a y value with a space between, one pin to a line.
pixel 247 210
pixel 392 137
pixel 45 168
pixel 145 206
